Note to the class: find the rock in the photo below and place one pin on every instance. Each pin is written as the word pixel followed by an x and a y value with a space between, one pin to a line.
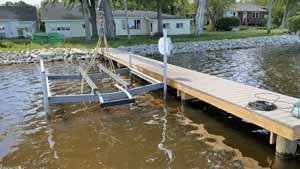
pixel 59 54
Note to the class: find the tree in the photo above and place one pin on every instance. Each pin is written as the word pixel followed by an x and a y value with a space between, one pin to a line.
pixel 93 17
pixel 215 10
pixel 85 11
pixel 200 16
pixel 290 6
pixel 127 25
pixel 17 4
pixel 110 27
pixel 269 23
pixel 159 17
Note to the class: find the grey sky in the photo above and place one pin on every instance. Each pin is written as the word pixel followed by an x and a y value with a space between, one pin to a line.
pixel 32 2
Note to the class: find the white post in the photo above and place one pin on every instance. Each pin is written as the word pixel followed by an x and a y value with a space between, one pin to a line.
pixel 45 89
pixel 165 78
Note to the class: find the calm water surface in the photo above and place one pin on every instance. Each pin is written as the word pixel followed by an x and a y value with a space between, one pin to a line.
pixel 188 135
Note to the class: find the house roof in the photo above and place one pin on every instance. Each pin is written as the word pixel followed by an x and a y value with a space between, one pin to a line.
pixel 74 12
pixel 62 11
pixel 247 7
pixel 18 13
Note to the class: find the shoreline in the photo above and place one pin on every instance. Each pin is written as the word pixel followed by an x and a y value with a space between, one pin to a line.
pixel 61 54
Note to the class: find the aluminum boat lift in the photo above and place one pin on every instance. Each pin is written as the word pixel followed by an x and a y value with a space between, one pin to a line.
pixel 125 95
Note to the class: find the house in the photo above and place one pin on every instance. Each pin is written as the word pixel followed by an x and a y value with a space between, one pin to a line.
pixel 145 23
pixel 17 21
pixel 249 14
pixel 68 21
pixel 64 19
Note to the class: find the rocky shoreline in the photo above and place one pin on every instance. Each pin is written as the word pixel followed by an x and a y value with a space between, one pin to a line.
pixel 226 44
pixel 60 54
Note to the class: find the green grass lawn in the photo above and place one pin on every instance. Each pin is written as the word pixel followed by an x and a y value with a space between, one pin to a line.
pixel 22 44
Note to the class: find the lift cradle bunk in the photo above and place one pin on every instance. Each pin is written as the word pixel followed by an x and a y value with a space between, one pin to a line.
pixel 125 94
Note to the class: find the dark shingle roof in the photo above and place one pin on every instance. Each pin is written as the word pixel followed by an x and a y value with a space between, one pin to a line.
pixel 247 7
pixel 18 13
pixel 61 11
pixel 72 12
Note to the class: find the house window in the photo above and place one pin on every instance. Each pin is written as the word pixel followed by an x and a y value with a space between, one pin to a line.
pixel 2 28
pixel 166 25
pixel 61 28
pixel 179 25
pixel 134 24
pixel 255 15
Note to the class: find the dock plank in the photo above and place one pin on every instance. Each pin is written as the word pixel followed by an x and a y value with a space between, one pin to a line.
pixel 227 95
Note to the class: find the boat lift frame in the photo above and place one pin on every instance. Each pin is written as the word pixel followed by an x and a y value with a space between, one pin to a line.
pixel 125 95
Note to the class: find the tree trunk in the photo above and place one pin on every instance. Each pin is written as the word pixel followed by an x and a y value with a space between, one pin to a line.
pixel 159 17
pixel 269 25
pixel 93 20
pixel 286 14
pixel 110 27
pixel 127 25
pixel 85 11
pixel 200 17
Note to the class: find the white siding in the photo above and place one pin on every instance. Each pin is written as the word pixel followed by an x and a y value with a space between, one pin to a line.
pixel 186 29
pixel 120 31
pixel 145 26
pixel 14 28
pixel 76 28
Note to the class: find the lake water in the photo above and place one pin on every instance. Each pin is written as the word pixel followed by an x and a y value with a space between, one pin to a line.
pixel 191 135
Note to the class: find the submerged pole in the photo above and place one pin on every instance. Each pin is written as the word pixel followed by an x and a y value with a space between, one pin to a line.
pixel 165 78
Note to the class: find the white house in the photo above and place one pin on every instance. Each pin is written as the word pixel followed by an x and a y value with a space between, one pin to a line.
pixel 145 23
pixel 64 19
pixel 68 20
pixel 17 21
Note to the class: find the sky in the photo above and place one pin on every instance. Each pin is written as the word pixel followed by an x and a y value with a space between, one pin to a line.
pixel 32 2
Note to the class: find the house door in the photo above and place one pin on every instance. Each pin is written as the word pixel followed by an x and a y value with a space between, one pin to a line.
pixel 151 28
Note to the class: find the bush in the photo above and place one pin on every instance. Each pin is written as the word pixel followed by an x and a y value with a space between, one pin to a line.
pixel 227 23
pixel 294 23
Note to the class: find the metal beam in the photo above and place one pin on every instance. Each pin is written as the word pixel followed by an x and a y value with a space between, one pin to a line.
pixel 46 92
pixel 105 96
pixel 114 76
pixel 145 77
pixel 88 80
pixel 79 77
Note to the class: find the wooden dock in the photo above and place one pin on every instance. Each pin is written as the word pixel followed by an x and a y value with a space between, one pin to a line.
pixel 229 96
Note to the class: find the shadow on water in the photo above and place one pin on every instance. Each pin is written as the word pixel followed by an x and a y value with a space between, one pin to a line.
pixel 146 134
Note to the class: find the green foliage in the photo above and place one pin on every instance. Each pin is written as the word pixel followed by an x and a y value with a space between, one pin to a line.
pixel 227 23
pixel 294 23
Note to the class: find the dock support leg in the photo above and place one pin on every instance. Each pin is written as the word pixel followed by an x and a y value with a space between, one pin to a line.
pixel 272 138
pixel 46 92
pixel 285 148
pixel 184 96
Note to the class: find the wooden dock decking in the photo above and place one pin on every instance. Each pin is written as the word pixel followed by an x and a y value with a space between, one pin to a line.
pixel 229 96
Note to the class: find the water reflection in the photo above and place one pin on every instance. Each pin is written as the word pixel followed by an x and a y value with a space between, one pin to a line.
pixel 161 145
pixel 145 134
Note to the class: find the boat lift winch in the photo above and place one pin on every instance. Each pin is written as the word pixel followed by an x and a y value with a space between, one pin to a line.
pixel 125 93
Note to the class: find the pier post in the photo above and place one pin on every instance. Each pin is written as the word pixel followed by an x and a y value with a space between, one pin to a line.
pixel 46 93
pixel 184 96
pixel 285 148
